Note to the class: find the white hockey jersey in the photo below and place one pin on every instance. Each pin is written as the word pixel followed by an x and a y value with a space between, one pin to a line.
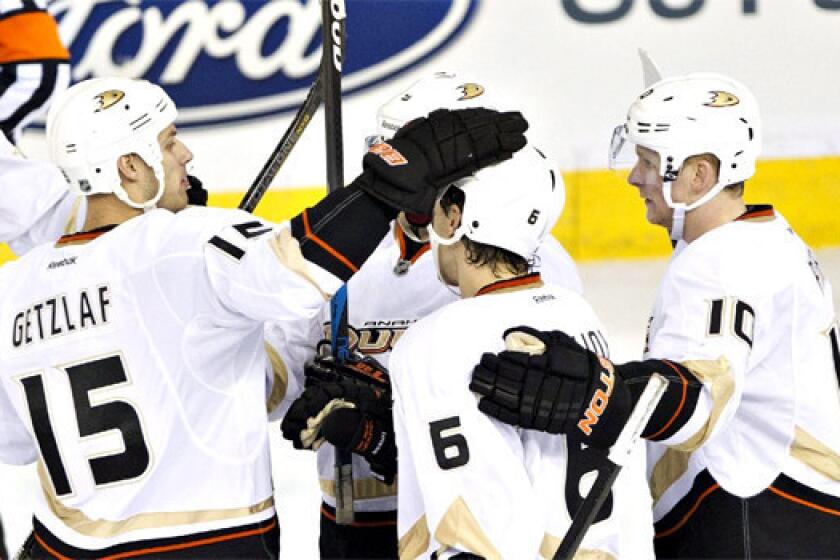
pixel 470 483
pixel 747 309
pixel 36 206
pixel 134 359
pixel 388 295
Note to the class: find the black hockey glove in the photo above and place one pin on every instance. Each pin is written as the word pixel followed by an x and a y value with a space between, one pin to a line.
pixel 349 407
pixel 432 152
pixel 566 389
pixel 356 368
pixel 196 193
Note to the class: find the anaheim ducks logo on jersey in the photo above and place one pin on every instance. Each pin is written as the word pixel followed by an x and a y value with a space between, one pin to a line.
pixel 108 99
pixel 470 91
pixel 375 337
pixel 722 99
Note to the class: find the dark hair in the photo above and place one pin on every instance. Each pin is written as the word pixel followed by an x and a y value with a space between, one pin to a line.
pixel 480 254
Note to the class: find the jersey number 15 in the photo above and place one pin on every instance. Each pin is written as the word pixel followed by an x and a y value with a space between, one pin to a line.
pixel 92 419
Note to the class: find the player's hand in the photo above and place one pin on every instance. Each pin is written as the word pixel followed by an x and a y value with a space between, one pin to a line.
pixel 432 152
pixel 348 406
pixel 196 193
pixel 366 430
pixel 554 385
pixel 363 370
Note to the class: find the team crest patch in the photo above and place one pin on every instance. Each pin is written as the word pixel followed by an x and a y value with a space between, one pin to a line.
pixel 722 99
pixel 388 154
pixel 108 98
pixel 470 91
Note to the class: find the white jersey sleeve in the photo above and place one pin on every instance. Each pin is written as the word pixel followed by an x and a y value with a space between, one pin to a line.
pixel 238 260
pixel 36 205
pixel 701 322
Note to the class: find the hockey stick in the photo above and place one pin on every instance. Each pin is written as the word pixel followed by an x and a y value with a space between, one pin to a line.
pixel 333 17
pixel 618 456
pixel 284 147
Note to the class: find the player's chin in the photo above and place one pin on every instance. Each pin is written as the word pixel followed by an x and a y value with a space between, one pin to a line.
pixel 175 202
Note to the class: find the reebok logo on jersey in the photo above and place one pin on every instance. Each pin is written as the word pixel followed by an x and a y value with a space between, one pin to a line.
pixel 388 154
pixel 62 262
pixel 599 402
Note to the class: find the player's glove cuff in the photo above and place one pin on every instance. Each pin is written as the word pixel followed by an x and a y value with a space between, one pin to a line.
pixel 677 403
pixel 368 435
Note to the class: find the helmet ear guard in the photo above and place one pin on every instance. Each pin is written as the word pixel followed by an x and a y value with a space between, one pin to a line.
pixel 95 122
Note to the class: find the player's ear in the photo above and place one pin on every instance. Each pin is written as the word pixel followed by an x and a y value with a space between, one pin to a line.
pixel 703 176
pixel 127 165
pixel 453 219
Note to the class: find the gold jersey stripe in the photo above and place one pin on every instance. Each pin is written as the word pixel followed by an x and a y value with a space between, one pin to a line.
pixel 281 378
pixel 103 528
pixel 550 544
pixel 287 250
pixel 415 541
pixel 363 488
pixel 814 453
pixel 459 527
pixel 668 469
pixel 717 376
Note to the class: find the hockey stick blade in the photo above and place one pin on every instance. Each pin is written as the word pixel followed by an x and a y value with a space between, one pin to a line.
pixel 618 457
pixel 278 157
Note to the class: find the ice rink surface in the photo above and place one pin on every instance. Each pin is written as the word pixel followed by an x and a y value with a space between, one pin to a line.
pixel 622 294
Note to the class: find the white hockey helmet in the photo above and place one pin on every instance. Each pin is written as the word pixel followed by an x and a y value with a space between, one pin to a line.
pixel 690 115
pixel 95 122
pixel 441 90
pixel 512 205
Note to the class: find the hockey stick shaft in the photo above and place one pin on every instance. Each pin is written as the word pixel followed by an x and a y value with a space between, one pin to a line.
pixel 333 17
pixel 284 147
pixel 618 457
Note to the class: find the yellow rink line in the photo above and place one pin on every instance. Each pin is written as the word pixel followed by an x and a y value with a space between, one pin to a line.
pixel 604 217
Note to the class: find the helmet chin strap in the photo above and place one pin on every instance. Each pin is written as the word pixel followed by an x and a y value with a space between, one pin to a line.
pixel 157 169
pixel 681 209
pixel 435 241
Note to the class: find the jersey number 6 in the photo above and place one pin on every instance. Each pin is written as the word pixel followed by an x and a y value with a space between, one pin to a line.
pixel 450 450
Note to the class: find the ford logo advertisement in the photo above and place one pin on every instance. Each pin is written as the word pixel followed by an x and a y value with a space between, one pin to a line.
pixel 237 59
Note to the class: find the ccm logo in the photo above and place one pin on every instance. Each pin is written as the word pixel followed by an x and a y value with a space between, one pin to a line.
pixel 598 404
pixel 391 156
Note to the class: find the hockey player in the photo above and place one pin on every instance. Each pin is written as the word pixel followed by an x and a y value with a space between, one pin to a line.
pixel 34 64
pixel 467 483
pixel 396 287
pixel 744 451
pixel 132 357
pixel 470 485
